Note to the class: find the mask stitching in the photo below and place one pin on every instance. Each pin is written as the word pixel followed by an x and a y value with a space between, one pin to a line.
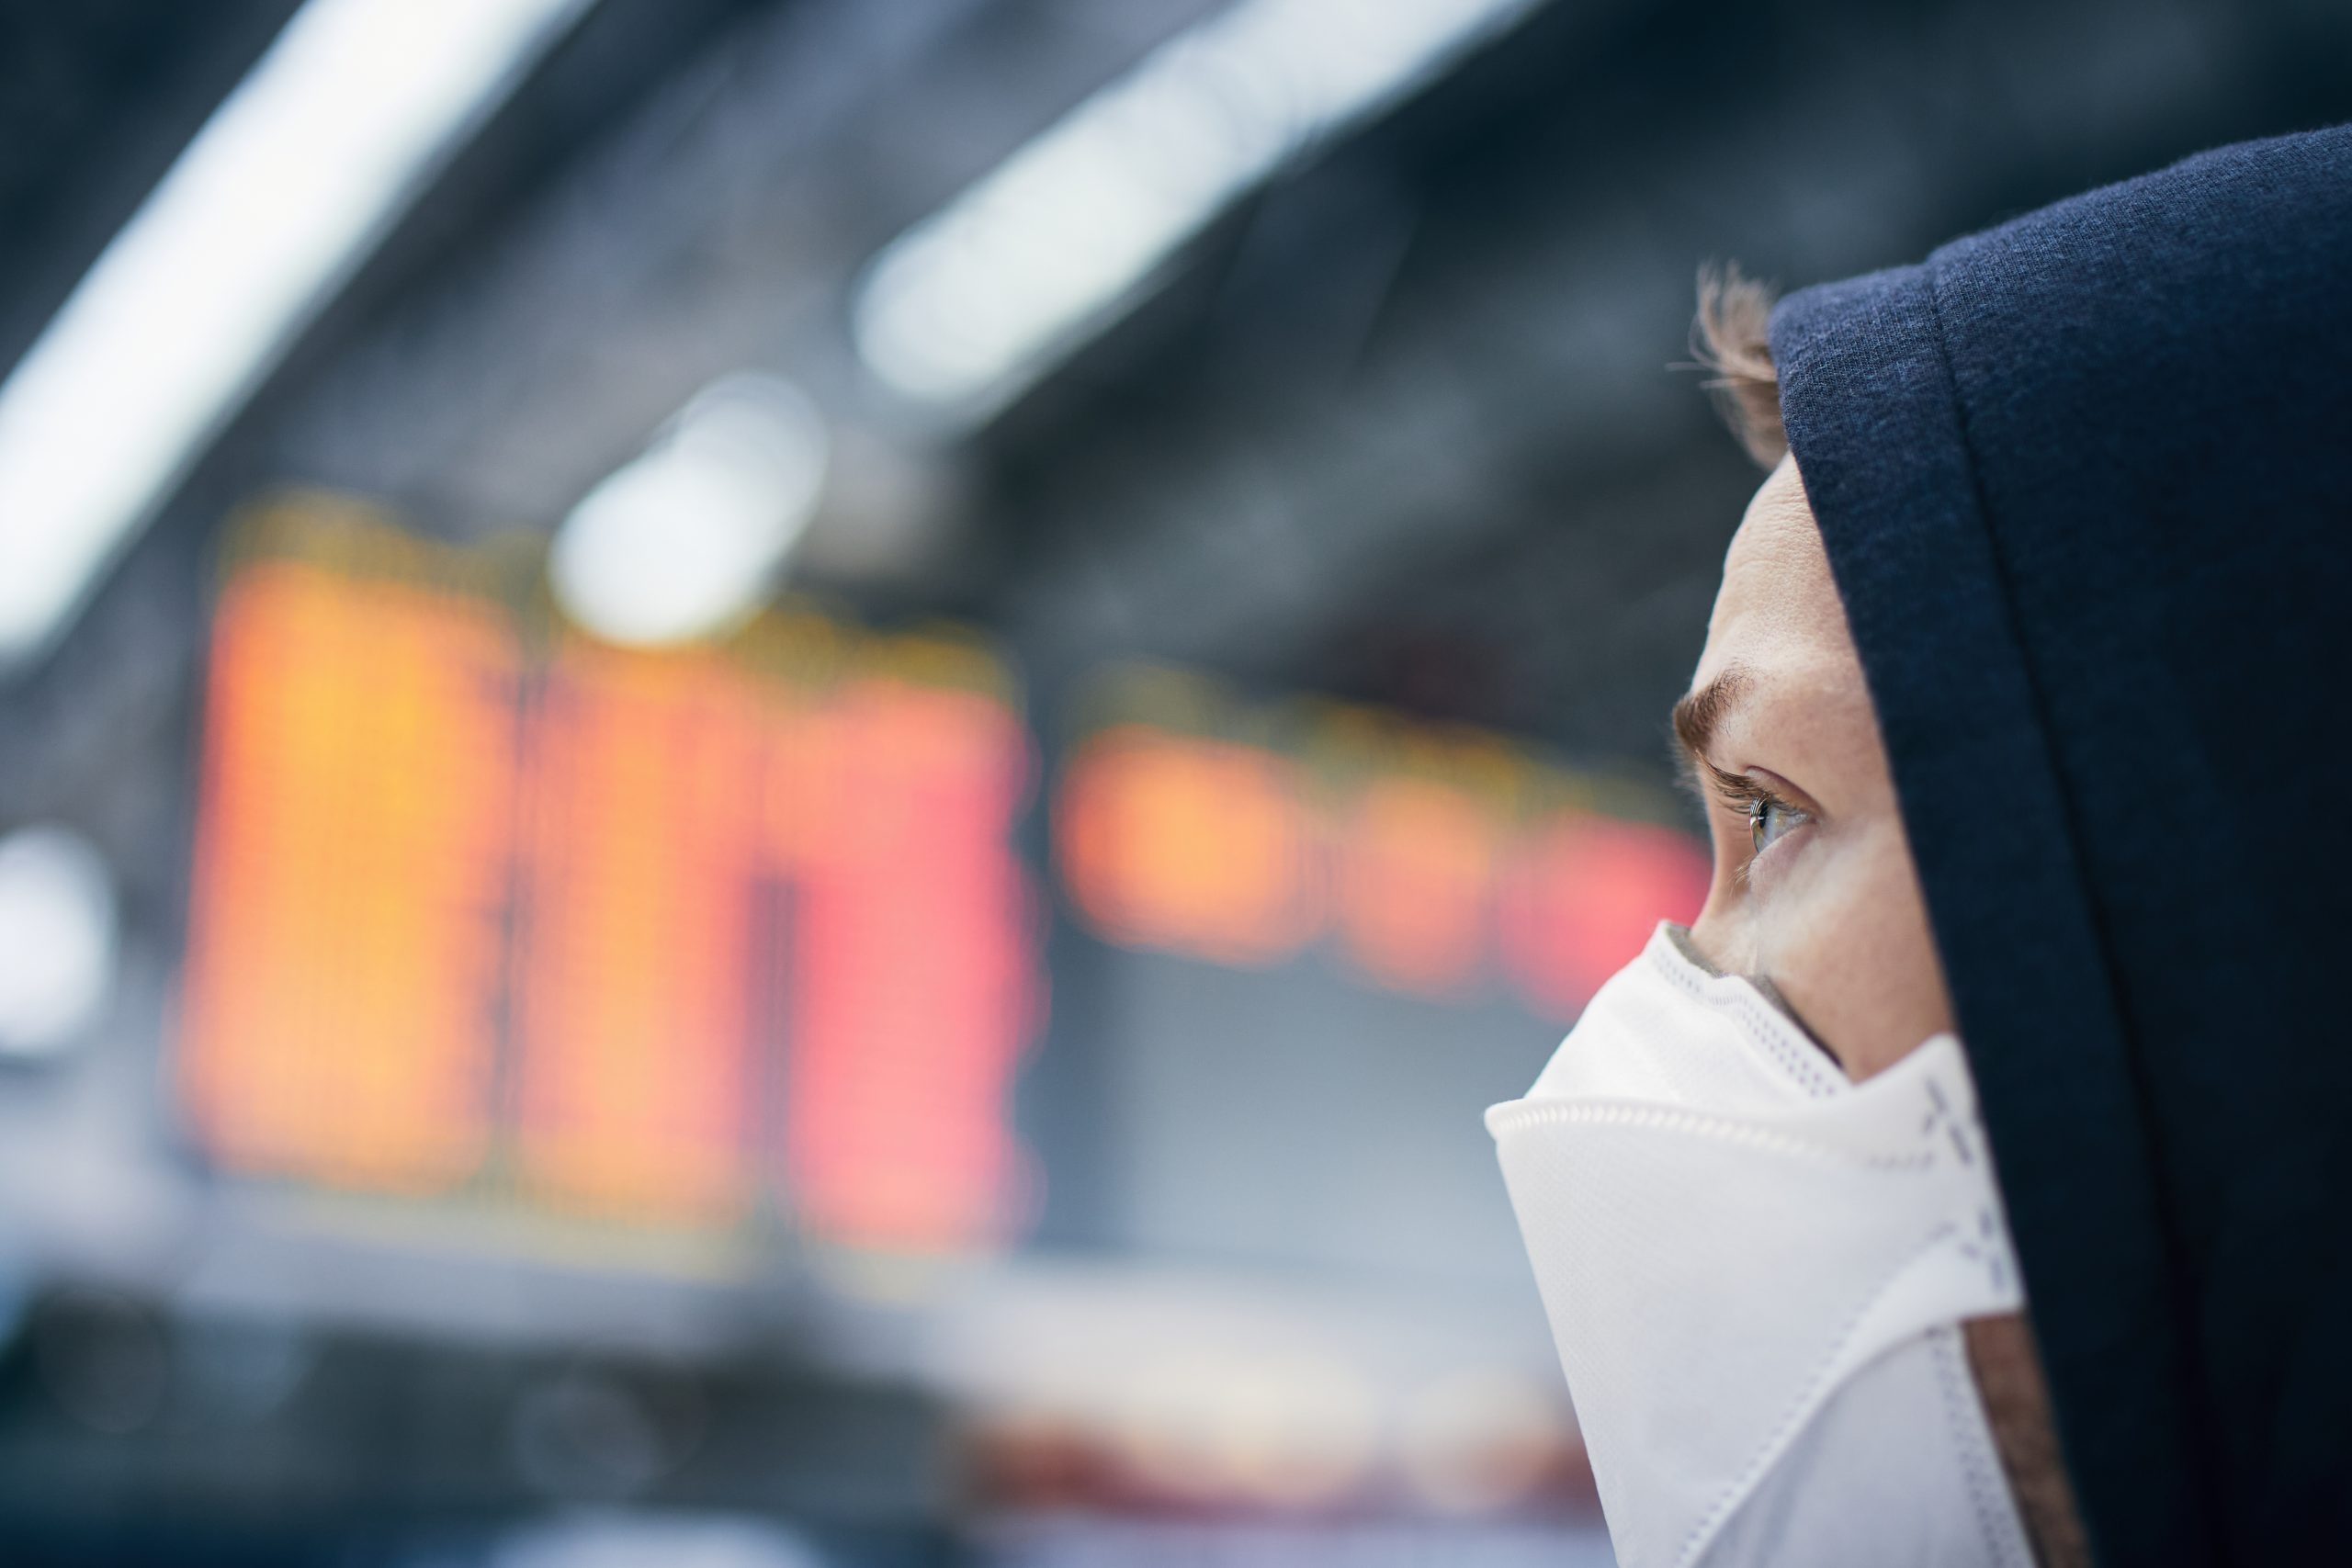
pixel 1762 1028
pixel 1524 1113
pixel 1703 1533
pixel 1951 1377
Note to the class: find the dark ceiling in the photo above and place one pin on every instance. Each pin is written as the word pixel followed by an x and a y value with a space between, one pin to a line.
pixel 1401 427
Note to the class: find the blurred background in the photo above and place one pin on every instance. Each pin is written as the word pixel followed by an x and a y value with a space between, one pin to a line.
pixel 779 775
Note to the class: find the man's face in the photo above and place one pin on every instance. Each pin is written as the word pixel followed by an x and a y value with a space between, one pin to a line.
pixel 1813 888
pixel 1815 892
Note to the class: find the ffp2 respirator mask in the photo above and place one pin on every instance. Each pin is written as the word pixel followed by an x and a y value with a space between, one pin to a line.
pixel 1756 1271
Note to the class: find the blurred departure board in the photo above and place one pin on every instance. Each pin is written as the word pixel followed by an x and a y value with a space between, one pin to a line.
pixel 1439 861
pixel 352 873
pixel 485 910
pixel 482 907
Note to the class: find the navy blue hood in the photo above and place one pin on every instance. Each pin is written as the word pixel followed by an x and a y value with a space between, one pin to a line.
pixel 2085 481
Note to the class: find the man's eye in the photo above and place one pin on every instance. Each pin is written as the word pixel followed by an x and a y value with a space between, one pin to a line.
pixel 1768 818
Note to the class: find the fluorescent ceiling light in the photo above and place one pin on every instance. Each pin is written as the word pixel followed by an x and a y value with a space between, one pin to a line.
pixel 280 196
pixel 689 538
pixel 980 298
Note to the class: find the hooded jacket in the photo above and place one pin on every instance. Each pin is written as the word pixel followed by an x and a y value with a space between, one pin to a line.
pixel 2086 484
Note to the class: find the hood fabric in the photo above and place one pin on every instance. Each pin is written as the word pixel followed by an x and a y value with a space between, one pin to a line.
pixel 2085 481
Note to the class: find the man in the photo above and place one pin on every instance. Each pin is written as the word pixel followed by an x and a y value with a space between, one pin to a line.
pixel 2019 721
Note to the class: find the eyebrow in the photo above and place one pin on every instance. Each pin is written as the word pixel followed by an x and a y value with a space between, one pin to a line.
pixel 1701 712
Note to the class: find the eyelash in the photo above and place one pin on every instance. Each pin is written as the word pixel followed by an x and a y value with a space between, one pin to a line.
pixel 1746 796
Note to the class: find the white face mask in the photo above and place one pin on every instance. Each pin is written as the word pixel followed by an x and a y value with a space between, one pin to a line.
pixel 1755 1270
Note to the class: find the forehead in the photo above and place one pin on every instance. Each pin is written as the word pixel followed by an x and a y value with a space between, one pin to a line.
pixel 1778 611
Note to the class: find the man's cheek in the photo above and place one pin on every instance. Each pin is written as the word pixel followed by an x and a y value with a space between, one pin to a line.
pixel 1828 941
